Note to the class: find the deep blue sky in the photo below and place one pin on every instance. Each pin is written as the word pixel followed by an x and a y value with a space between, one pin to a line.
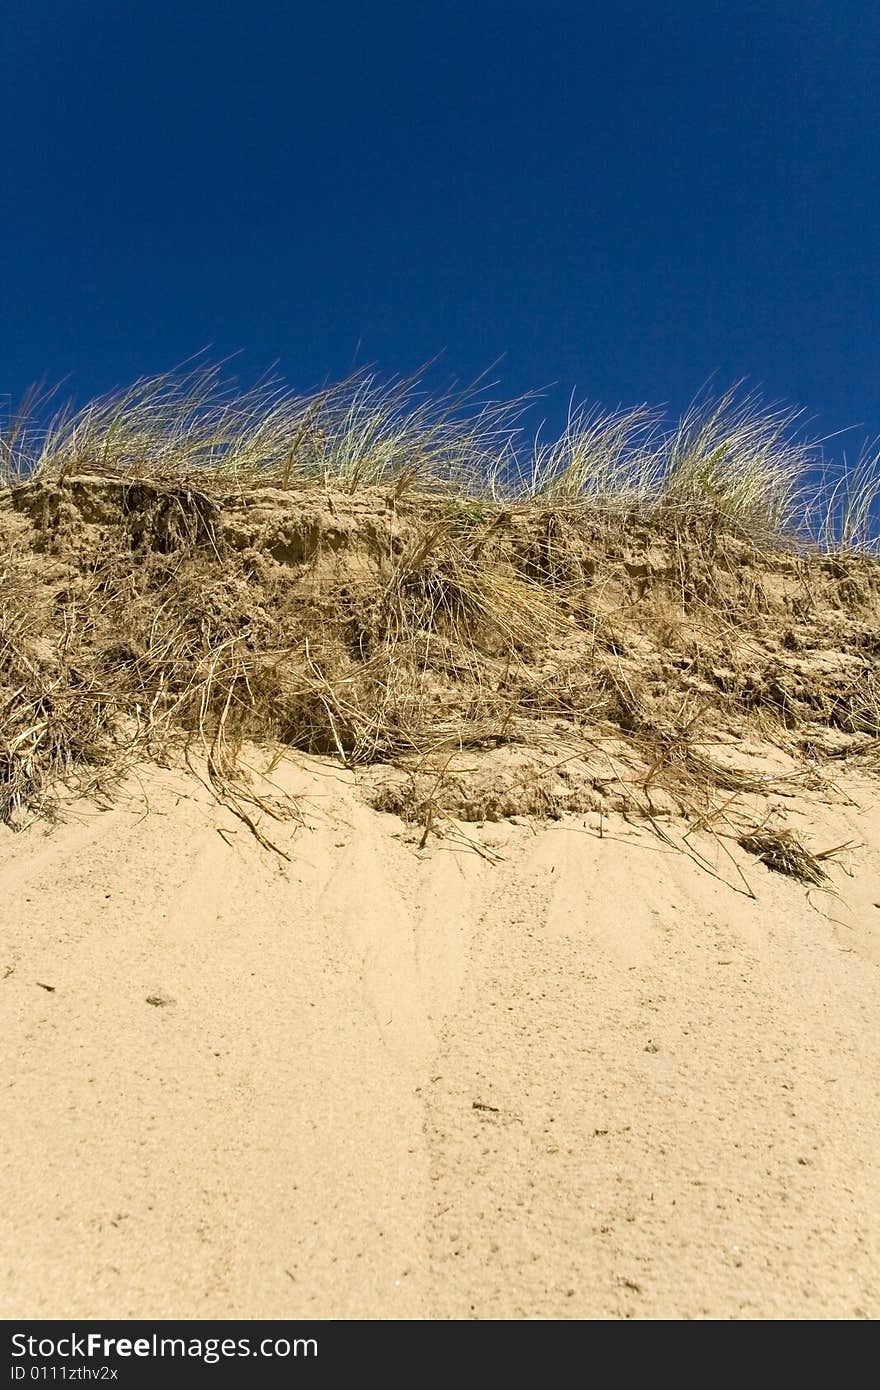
pixel 622 199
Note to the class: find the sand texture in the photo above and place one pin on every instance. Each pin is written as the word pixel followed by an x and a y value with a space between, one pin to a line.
pixel 538 1071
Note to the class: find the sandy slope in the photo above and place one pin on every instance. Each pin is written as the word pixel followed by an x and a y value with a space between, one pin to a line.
pixel 587 1081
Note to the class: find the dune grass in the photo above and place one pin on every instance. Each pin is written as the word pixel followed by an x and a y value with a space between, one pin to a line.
pixel 500 606
pixel 730 456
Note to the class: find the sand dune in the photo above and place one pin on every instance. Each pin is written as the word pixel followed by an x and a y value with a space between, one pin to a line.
pixel 578 1078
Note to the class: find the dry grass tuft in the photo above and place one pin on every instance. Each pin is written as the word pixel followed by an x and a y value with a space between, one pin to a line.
pixel 782 851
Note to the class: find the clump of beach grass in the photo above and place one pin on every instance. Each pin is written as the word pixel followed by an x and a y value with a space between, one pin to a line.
pixel 785 853
pixel 741 461
pixel 602 458
pixel 849 506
